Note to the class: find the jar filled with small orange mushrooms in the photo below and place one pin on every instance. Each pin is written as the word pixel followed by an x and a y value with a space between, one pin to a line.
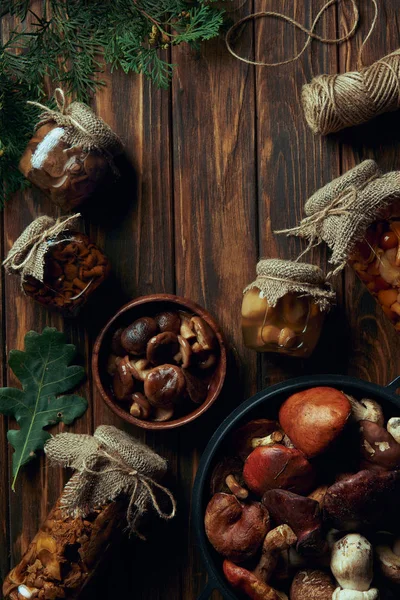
pixel 376 260
pixel 284 309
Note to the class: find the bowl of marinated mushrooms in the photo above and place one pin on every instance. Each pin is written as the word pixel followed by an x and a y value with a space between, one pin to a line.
pixel 297 494
pixel 160 362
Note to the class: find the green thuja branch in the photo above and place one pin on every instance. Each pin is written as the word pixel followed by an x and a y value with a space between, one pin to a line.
pixel 70 41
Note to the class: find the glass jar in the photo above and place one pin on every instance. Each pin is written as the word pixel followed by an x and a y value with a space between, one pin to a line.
pixel 291 327
pixel 66 173
pixel 376 260
pixel 73 269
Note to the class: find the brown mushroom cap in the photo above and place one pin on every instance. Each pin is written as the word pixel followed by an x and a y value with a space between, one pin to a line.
pixel 312 584
pixel 123 382
pixel 236 530
pixel 134 338
pixel 204 334
pixel 302 514
pixel 365 499
pixel 116 346
pixel 164 385
pixel 379 450
pixel 196 387
pixel 168 321
pixel 270 467
pixel 162 348
pixel 314 418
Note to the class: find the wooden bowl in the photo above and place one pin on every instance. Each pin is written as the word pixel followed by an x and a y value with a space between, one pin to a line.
pixel 147 306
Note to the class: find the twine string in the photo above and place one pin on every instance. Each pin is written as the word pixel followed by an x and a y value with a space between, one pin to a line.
pixel 34 242
pixel 61 103
pixel 311 35
pixel 149 484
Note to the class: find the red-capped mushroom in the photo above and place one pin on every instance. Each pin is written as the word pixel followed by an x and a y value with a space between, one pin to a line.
pixel 379 450
pixel 270 467
pixel 247 583
pixel 236 530
pixel 134 338
pixel 314 418
pixel 302 514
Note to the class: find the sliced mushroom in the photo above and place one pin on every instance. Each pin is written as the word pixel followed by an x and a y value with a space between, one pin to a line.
pixel 168 321
pixel 162 348
pixel 135 337
pixel 164 385
pixel 140 407
pixel 123 382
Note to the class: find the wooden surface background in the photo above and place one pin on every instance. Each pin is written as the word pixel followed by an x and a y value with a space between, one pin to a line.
pixel 213 166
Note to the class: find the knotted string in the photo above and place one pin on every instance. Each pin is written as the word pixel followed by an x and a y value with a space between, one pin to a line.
pixel 148 483
pixel 61 103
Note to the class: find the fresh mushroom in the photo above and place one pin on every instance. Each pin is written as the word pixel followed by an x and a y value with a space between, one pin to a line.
pixel 366 410
pixel 388 560
pixel 393 427
pixel 352 562
pixel 314 418
pixel 269 467
pixel 162 348
pixel 168 321
pixel 236 530
pixel 362 500
pixel 134 338
pixel 242 439
pixel 164 385
pixel 379 450
pixel 140 407
pixel 312 584
pixel 276 541
pixel 339 594
pixel 302 514
pixel 247 583
pixel 123 382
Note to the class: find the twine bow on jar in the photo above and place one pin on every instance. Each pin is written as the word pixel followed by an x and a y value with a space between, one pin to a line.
pixel 109 465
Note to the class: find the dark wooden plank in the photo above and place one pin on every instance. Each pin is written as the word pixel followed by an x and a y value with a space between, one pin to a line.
pixel 215 230
pixel 372 339
pixel 292 162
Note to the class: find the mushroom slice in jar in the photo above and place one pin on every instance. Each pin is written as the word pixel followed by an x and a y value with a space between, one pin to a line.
pixel 162 348
pixel 123 382
pixel 168 321
pixel 164 385
pixel 134 338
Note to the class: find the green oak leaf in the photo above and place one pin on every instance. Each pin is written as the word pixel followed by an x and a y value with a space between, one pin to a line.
pixel 45 371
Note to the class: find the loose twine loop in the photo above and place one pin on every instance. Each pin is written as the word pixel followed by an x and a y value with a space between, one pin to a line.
pixel 61 103
pixel 148 483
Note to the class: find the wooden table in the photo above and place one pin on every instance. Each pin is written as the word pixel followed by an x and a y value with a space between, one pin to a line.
pixel 215 165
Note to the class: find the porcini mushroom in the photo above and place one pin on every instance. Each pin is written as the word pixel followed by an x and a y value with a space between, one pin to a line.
pixel 352 562
pixel 362 500
pixel 366 410
pixel 168 321
pixel 246 582
pixel 314 418
pixel 242 439
pixel 162 348
pixel 378 448
pixel 123 382
pixel 388 561
pixel 236 530
pixel 164 385
pixel 276 541
pixel 339 594
pixel 393 427
pixel 270 467
pixel 134 338
pixel 312 584
pixel 302 514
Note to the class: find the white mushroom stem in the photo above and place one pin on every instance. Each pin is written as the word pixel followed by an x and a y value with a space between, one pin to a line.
pixel 273 438
pixel 275 542
pixel 393 428
pixel 366 410
pixel 27 592
pixel 339 594
pixel 352 562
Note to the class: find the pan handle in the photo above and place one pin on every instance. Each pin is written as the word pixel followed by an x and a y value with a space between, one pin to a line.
pixel 206 593
pixel 394 385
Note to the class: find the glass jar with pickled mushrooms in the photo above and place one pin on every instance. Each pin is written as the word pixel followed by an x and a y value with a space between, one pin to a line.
pixel 283 310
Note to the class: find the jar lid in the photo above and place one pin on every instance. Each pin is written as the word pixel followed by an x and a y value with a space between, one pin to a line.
pixel 277 277
pixel 341 212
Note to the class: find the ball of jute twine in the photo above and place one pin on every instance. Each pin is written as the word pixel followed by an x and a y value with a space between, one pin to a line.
pixel 334 102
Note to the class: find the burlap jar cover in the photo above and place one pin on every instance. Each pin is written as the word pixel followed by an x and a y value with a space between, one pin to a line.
pixel 277 277
pixel 108 465
pixel 82 127
pixel 341 212
pixel 27 256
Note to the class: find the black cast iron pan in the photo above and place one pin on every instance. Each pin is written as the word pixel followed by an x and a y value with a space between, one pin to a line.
pixel 266 404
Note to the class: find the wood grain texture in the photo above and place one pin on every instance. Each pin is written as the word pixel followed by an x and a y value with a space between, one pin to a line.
pixel 212 167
